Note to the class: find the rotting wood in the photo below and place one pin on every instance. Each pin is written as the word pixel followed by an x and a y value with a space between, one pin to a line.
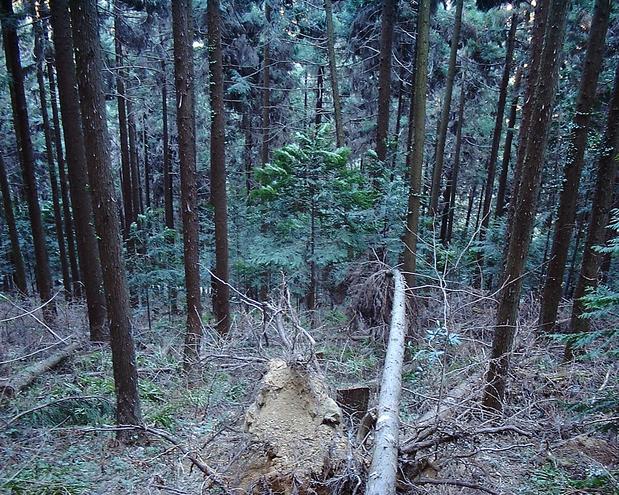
pixel 383 471
pixel 30 374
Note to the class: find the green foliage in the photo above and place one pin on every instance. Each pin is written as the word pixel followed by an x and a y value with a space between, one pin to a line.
pixel 551 480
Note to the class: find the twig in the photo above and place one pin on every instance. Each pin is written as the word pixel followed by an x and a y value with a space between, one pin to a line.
pixel 464 484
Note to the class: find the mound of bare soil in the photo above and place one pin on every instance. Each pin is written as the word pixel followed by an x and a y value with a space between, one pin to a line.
pixel 294 434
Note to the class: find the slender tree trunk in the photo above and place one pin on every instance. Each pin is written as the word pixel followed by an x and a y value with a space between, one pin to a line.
pixel 521 224
pixel 146 163
pixel 64 188
pixel 600 215
pixel 87 247
pixel 247 151
pixel 496 137
pixel 221 294
pixel 388 20
pixel 125 157
pixel 452 183
pixel 398 118
pixel 551 294
pixel 507 146
pixel 444 119
pixel 469 209
pixel 19 272
pixel 337 104
pixel 182 27
pixel 266 89
pixel 136 199
pixel 319 96
pixel 39 55
pixel 414 156
pixel 580 232
pixel 26 154
pixel 89 64
pixel 168 196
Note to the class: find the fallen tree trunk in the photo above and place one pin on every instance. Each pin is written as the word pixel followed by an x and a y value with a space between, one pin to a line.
pixel 30 374
pixel 383 471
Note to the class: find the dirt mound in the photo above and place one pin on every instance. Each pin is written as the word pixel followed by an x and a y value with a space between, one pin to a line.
pixel 295 435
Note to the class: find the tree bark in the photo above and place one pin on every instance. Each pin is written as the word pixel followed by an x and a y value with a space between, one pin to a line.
pixel 89 64
pixel 19 274
pixel 221 294
pixel 507 146
pixel 337 103
pixel 600 215
pixel 87 246
pixel 182 27
pixel 414 157
pixel 39 57
pixel 146 163
pixel 319 97
pixel 168 196
pixel 551 294
pixel 521 224
pixel 388 20
pixel 384 467
pixel 26 154
pixel 444 118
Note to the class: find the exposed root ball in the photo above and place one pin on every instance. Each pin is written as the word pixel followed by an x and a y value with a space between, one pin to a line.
pixel 295 435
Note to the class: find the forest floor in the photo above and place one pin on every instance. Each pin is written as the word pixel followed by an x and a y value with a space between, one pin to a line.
pixel 550 440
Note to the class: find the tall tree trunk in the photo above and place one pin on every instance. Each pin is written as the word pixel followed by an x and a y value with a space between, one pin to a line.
pixel 319 96
pixel 507 146
pixel 19 272
pixel 121 98
pixel 444 118
pixel 168 196
pixel 600 215
pixel 39 56
pixel 64 188
pixel 89 64
pixel 136 197
pixel 496 137
pixel 146 163
pixel 452 183
pixel 87 246
pixel 221 294
pixel 335 91
pixel 248 148
pixel 266 88
pixel 388 20
pixel 26 154
pixel 551 294
pixel 398 118
pixel 414 157
pixel 521 224
pixel 182 28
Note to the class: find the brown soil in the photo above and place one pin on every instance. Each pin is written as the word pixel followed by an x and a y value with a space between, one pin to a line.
pixel 295 434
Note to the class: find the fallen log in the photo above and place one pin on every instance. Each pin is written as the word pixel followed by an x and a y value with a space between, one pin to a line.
pixel 22 380
pixel 383 470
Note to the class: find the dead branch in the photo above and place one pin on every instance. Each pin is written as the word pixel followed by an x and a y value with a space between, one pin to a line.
pixel 53 403
pixel 30 374
pixel 464 484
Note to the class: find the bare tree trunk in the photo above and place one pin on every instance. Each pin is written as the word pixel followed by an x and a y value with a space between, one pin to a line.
pixel 39 55
pixel 444 118
pixel 600 214
pixel 496 137
pixel 182 27
pixel 337 104
pixel 19 274
pixel 146 163
pixel 87 246
pixel 125 157
pixel 388 20
pixel 551 294
pixel 414 158
pixel 247 149
pixel 452 182
pixel 521 224
pixel 89 64
pixel 469 209
pixel 168 197
pixel 26 154
pixel 319 96
pixel 221 295
pixel 384 467
pixel 507 146
pixel 266 89
pixel 64 188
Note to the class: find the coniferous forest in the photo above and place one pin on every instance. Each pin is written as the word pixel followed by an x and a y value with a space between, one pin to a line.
pixel 309 247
